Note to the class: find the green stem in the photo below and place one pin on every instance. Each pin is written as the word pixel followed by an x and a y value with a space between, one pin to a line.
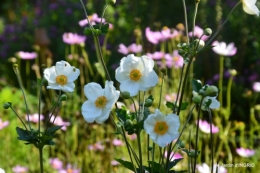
pixel 229 94
pixel 186 21
pixel 41 159
pixel 140 151
pixel 220 82
pixel 211 141
pixel 28 75
pixel 19 117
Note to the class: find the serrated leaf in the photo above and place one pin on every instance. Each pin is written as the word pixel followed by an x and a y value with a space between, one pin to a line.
pixel 126 164
pixel 53 129
pixel 184 106
pixel 170 105
pixel 196 85
pixel 121 115
pixel 173 163
pixel 156 167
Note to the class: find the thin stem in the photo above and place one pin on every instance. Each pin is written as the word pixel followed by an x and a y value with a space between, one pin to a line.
pixel 24 96
pixel 101 57
pixel 104 10
pixel 211 140
pixel 19 117
pixel 27 75
pixel 140 151
pixel 186 20
pixel 229 94
pixel 41 158
pixel 39 107
pixel 160 97
pixel 216 33
pixel 197 134
pixel 194 19
pixel 85 11
pixel 220 82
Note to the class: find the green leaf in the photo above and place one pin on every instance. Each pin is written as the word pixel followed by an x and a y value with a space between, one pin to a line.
pixel 196 85
pixel 104 28
pixel 122 115
pixel 53 129
pixel 173 163
pixel 25 135
pixel 126 164
pixel 156 167
pixel 184 106
pixel 170 105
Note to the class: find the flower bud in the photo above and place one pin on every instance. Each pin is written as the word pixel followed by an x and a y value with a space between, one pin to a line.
pixel 43 66
pixel 129 123
pixel 148 103
pixel 207 32
pixel 196 99
pixel 63 97
pixel 7 105
pixel 199 44
pixel 163 70
pixel 125 95
pixel 233 72
pixel 193 153
pixel 211 91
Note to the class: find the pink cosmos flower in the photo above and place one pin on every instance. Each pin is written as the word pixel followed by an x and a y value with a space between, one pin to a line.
pixel 56 163
pixel 132 137
pixel 69 169
pixel 222 48
pixel 73 38
pixel 167 33
pixel 117 142
pixel 198 32
pixel 27 55
pixel 133 48
pixel 256 86
pixel 92 19
pixel 205 127
pixel 156 55
pixel 3 124
pixel 174 60
pixel 170 97
pixel 19 169
pixel 244 152
pixel 153 37
pixel 204 168
pixel 35 117
pixel 59 122
pixel 114 163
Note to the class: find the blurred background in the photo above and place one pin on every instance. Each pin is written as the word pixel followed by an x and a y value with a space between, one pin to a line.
pixel 38 26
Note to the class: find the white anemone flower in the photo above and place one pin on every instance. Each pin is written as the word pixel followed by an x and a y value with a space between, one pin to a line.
pixel 61 76
pixel 162 129
pixel 100 101
pixel 136 74
pixel 250 7
pixel 213 105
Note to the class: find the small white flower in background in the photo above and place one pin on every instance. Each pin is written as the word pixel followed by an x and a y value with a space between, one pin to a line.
pixel 204 168
pixel 222 48
pixel 245 152
pixel 250 7
pixel 61 76
pixel 100 101
pixel 162 129
pixel 256 86
pixel 136 74
pixel 213 105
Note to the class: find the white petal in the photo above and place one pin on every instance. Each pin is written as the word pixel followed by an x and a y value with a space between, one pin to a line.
pixel 163 140
pixel 93 91
pixel 73 75
pixel 131 87
pixel 63 68
pixel 251 9
pixel 149 81
pixel 103 117
pixel 121 75
pixel 69 87
pixel 90 111
pixel 53 86
pixel 50 74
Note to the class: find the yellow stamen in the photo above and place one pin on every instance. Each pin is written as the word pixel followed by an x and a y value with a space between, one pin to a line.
pixel 135 75
pixel 61 79
pixel 101 102
pixel 161 128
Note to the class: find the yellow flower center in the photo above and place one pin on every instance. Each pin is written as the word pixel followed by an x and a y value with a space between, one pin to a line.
pixel 135 75
pixel 61 79
pixel 69 170
pixel 161 128
pixel 101 102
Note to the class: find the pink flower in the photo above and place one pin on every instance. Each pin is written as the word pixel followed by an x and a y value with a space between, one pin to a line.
pixel 19 169
pixel 132 137
pixel 117 142
pixel 170 97
pixel 3 124
pixel 92 19
pixel 59 122
pixel 156 55
pixel 174 60
pixel 35 117
pixel 173 156
pixel 153 37
pixel 56 163
pixel 222 48
pixel 96 147
pixel 256 86
pixel 205 127
pixel 133 48
pixel 72 38
pixel 198 32
pixel 244 152
pixel 27 55
pixel 167 33
pixel 69 169
pixel 114 163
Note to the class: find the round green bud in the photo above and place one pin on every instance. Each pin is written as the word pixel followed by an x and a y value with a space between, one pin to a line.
pixel 129 123
pixel 207 32
pixel 63 97
pixel 125 95
pixel 199 44
pixel 196 99
pixel 233 72
pixel 148 103
pixel 7 105
pixel 211 91
pixel 15 65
